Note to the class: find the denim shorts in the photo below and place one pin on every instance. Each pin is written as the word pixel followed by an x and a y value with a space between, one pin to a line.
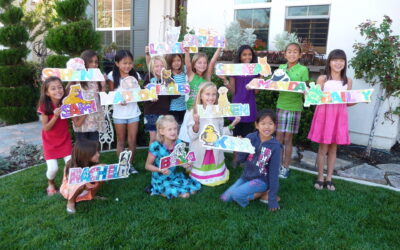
pixel 126 121
pixel 150 122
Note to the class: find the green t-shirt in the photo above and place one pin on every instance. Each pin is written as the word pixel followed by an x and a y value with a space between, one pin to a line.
pixel 194 88
pixel 288 100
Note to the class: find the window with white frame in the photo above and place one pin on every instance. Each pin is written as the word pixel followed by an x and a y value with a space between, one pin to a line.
pixel 310 23
pixel 113 18
pixel 258 19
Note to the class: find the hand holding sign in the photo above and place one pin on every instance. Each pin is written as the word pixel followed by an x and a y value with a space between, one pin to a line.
pixel 178 157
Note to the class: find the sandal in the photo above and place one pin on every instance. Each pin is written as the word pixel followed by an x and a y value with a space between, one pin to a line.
pixel 330 186
pixel 319 185
pixel 51 192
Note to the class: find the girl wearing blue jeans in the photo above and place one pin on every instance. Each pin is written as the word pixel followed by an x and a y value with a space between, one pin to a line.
pixel 261 168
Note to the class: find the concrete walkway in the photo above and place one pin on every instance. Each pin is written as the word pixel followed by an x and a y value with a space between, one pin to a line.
pixel 28 132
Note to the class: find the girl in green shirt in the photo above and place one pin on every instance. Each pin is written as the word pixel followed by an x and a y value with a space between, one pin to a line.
pixel 290 105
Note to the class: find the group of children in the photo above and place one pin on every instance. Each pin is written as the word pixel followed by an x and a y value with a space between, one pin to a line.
pixel 174 119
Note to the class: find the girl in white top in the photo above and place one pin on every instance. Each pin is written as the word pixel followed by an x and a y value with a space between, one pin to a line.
pixel 125 115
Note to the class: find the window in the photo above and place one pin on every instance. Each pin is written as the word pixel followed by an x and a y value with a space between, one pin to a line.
pixel 310 23
pixel 251 1
pixel 257 19
pixel 113 18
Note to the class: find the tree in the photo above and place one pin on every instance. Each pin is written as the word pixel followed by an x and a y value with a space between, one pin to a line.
pixel 17 93
pixel 74 35
pixel 236 36
pixel 377 61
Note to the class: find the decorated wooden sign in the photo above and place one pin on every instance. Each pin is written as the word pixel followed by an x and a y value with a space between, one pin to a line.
pixel 129 91
pixel 156 49
pixel 315 96
pixel 178 157
pixel 224 107
pixel 211 139
pixel 244 69
pixel 204 41
pixel 75 105
pixel 75 72
pixel 168 85
pixel 101 173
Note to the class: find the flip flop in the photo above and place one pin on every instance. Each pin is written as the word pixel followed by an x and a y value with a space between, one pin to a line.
pixel 319 185
pixel 71 211
pixel 51 192
pixel 330 186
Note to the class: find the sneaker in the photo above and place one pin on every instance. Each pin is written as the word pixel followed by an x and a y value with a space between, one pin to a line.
pixel 132 170
pixel 284 173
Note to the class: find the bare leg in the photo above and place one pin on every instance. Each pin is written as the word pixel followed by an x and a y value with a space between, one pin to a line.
pixel 332 149
pixel 287 155
pixel 51 186
pixel 322 151
pixel 121 136
pixel 280 136
pixel 71 202
pixel 152 136
pixel 132 135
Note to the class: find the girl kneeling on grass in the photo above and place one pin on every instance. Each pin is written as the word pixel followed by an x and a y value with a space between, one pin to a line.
pixel 168 182
pixel 84 154
pixel 260 175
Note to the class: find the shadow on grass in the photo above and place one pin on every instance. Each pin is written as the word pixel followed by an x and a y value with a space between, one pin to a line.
pixel 354 216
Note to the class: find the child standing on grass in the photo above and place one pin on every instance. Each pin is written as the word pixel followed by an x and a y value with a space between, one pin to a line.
pixel 168 182
pixel 290 105
pixel 209 168
pixel 55 136
pixel 85 154
pixel 178 105
pixel 329 126
pixel 88 126
pixel 125 115
pixel 262 168
pixel 198 71
pixel 160 106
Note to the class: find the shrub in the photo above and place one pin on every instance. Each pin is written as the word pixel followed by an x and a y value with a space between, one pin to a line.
pixel 18 96
pixel 12 16
pixel 13 56
pixel 73 38
pixel 71 10
pixel 13 36
pixel 5 165
pixel 16 75
pixel 24 154
pixel 56 61
pixel 15 115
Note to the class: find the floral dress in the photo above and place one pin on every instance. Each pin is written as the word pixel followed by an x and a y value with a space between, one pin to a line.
pixel 174 184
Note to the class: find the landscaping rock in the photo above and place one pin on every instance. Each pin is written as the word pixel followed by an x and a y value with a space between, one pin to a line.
pixel 390 168
pixel 295 156
pixel 365 172
pixel 394 180
pixel 309 158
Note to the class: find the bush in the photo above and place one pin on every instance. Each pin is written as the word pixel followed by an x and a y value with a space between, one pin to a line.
pixel 12 16
pixel 19 96
pixel 5 166
pixel 13 36
pixel 16 75
pixel 15 115
pixel 13 56
pixel 72 10
pixel 24 155
pixel 56 61
pixel 73 38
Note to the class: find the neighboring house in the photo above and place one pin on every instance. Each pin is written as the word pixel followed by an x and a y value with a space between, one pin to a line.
pixel 328 24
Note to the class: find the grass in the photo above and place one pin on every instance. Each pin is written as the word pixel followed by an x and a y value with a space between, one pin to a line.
pixel 354 216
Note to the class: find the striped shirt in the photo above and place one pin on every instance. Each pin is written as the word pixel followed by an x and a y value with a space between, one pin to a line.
pixel 178 104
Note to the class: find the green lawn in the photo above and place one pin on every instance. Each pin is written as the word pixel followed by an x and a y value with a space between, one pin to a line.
pixel 354 216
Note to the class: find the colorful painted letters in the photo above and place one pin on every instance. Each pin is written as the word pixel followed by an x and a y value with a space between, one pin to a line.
pixel 71 75
pixel 243 69
pixel 315 96
pixel 131 95
pixel 211 139
pixel 101 173
pixel 75 105
pixel 289 86
pixel 170 89
pixel 204 41
pixel 178 157
pixel 156 49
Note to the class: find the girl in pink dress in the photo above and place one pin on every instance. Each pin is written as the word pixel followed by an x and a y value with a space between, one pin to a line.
pixel 330 122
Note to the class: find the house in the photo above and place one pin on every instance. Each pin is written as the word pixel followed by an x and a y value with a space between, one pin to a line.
pixel 327 24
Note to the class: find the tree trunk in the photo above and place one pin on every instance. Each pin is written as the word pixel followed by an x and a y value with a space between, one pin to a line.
pixel 377 108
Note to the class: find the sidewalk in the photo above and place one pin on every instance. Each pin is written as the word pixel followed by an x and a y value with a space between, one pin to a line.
pixel 28 132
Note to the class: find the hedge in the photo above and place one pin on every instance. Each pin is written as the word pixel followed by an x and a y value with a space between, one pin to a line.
pixel 13 56
pixel 16 75
pixel 14 115
pixel 19 96
pixel 13 36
